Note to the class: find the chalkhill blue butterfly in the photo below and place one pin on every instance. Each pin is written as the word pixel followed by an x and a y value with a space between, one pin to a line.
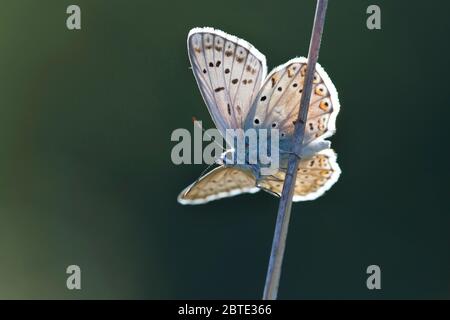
pixel 232 77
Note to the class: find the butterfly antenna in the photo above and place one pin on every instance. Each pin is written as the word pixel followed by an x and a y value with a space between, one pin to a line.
pixel 195 121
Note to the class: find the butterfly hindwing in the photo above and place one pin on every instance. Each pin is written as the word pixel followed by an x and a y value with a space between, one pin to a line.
pixel 315 175
pixel 229 72
pixel 219 183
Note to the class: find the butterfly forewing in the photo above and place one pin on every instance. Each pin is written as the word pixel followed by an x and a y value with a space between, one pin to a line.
pixel 229 72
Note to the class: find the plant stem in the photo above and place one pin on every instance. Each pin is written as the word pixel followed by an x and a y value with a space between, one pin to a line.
pixel 284 209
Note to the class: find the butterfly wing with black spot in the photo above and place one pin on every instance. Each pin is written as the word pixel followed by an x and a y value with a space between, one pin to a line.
pixel 277 104
pixel 315 175
pixel 219 183
pixel 229 72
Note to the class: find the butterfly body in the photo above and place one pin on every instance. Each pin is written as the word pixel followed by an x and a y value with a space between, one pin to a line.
pixel 240 96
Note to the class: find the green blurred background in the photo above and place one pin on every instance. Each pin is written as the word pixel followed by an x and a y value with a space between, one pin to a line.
pixel 86 177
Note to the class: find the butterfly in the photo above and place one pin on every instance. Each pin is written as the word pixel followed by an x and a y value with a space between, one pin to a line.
pixel 232 77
